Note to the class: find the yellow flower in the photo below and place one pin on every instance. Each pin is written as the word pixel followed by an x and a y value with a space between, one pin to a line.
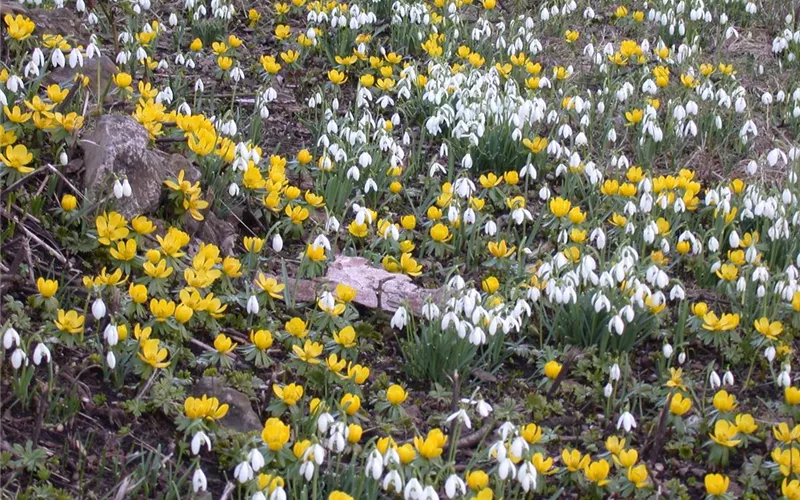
pixel 345 293
pixel 205 407
pixel 792 395
pixel 275 434
pixel 138 293
pixel 270 285
pixel 477 480
pixel 316 254
pixel 409 265
pixel 716 484
pixel 571 35
pixel 615 445
pixel 304 157
pixel 560 207
pixel 680 405
pixel 262 339
pixel 490 285
pixel 626 458
pixel 335 364
pixel 253 244
pixel 574 460
pixel 159 270
pixel 309 352
pixel 152 355
pixel 767 329
pixel 597 472
pixel 17 157
pixel 440 233
pixel 47 288
pixel 720 324
pixel 346 337
pixel 725 434
pixel 162 309
pixel 621 11
pixel 537 144
pixel 69 322
pixel 223 344
pixel 142 225
pixel 746 424
pixel 432 445
pixel 282 31
pixel 183 313
pixel 724 402
pixel 727 272
pixel 552 369
pixel 289 394
pixel 785 435
pixel 337 77
pixel 350 403
pixel 125 250
pixel 543 465
pixel 297 328
pixel 407 453
pixel 791 490
pixel 19 26
pixel 501 250
pixel 396 395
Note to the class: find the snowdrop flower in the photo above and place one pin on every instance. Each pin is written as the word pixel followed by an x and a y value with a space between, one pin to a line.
pixel 98 309
pixel 608 390
pixel 714 380
pixel 111 334
pixel 17 358
pixel 39 353
pixel 615 373
pixel 667 351
pixel 111 360
pixel 769 353
pixel 324 421
pixel 462 416
pixel 455 486
pixel 256 459
pixel 682 358
pixel 277 243
pixel 252 305
pixel 199 482
pixel 11 337
pixel 784 379
pixel 527 476
pixel 198 440
pixel 243 472
pixel 392 480
pixel 412 490
pixel 483 408
pixel 374 467
pixel 506 469
pixel 118 189
pixel 727 379
pixel 626 421
pixel 400 318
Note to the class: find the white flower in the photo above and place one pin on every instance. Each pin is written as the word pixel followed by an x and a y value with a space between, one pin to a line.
pixel 126 188
pixel 608 390
pixel 769 353
pixel 17 358
pixel 626 421
pixel 727 379
pixel 252 305
pixel 199 482
pixel 11 337
pixel 506 469
pixel 256 459
pixel 455 486
pixel 615 372
pixel 278 494
pixel 413 489
pixel 400 318
pixel 682 358
pixel 277 243
pixel 393 480
pixel 324 421
pixel 198 440
pixel 483 408
pixel 714 380
pixel 243 472
pixel 40 352
pixel 374 467
pixel 98 309
pixel 462 416
pixel 527 476
pixel 667 351
pixel 110 359
pixel 111 334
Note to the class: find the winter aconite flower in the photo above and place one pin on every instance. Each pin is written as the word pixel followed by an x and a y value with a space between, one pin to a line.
pixel 396 395
pixel 716 484
pixel 69 322
pixel 275 434
pixel 153 355
pixel 432 445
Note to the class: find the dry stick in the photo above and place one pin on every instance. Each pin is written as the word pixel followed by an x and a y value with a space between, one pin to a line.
pixel 658 442
pixel 477 436
pixel 454 408
pixel 123 488
pixel 22 180
pixel 570 357
pixel 63 178
pixel 147 385
pixel 52 251
pixel 229 487
pixel 209 348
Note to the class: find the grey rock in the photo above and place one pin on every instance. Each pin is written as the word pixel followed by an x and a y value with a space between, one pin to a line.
pixel 118 147
pixel 240 416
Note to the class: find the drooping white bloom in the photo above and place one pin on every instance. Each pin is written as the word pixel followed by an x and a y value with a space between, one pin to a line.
pixel 626 421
